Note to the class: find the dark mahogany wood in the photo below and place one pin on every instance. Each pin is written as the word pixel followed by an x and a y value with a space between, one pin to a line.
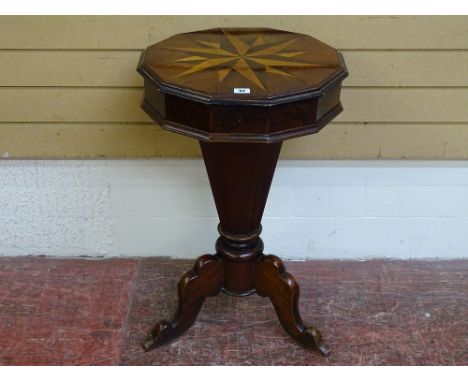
pixel 240 177
pixel 277 66
pixel 294 84
pixel 291 87
pixel 280 286
pixel 204 280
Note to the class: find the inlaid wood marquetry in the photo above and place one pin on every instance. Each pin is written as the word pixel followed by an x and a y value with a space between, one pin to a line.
pixel 244 56
pixel 262 63
pixel 194 80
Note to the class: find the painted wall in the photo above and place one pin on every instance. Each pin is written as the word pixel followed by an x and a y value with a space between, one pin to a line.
pixel 69 89
pixel 163 207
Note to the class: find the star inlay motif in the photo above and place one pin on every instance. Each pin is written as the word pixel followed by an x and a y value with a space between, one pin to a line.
pixel 272 58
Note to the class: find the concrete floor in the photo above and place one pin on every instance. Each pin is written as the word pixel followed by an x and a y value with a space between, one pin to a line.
pixel 96 312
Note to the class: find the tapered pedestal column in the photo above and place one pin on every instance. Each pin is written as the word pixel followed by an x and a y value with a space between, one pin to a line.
pixel 240 176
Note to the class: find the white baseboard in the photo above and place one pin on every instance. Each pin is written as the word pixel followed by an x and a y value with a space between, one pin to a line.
pixel 316 209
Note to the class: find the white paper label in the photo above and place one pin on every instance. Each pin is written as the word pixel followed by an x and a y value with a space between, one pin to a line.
pixel 241 90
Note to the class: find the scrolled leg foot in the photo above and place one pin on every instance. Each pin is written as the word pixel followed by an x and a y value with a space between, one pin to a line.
pixel 274 282
pixel 162 332
pixel 204 280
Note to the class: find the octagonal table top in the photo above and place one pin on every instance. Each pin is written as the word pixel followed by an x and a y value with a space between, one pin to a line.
pixel 242 65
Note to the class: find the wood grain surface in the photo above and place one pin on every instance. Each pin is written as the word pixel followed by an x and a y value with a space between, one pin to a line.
pixel 69 88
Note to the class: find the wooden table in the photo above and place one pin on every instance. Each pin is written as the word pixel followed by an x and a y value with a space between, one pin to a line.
pixel 240 92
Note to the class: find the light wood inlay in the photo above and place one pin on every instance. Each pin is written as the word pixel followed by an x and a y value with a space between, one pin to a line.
pixel 268 62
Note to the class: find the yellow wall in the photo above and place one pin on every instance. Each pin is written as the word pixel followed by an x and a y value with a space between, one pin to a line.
pixel 69 89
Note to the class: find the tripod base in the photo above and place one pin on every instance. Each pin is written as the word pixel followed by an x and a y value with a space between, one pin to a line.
pixel 240 176
pixel 206 280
